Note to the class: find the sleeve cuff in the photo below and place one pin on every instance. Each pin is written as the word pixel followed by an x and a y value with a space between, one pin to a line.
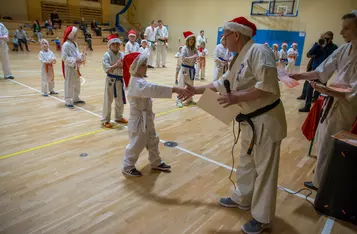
pixel 218 84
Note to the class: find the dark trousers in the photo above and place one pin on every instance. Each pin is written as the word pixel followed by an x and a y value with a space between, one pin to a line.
pixel 309 94
pixel 22 41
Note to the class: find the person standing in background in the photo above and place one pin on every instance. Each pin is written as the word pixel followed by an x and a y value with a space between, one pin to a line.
pixel 4 52
pixel 201 38
pixel 149 35
pixel 22 38
pixel 292 57
pixel 162 35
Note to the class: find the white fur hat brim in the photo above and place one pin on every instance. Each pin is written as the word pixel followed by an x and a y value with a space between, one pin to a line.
pixel 114 40
pixel 234 27
pixel 137 62
pixel 193 35
pixel 72 33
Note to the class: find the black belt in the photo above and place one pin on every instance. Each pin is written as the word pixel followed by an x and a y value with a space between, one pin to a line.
pixel 248 118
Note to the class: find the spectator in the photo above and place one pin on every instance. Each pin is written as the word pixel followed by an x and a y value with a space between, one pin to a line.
pixel 95 28
pixel 22 38
pixel 15 43
pixel 88 39
pixel 36 27
pixel 319 52
pixel 49 27
pixel 83 26
pixel 55 19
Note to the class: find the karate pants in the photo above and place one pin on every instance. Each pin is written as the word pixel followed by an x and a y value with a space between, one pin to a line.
pixel 48 84
pixel 182 79
pixel 108 100
pixel 257 175
pixel 72 85
pixel 151 56
pixel 217 72
pixel 138 141
pixel 290 68
pixel 4 57
pixel 201 69
pixel 334 123
pixel 161 54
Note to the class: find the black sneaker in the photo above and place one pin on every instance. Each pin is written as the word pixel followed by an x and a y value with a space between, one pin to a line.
pixel 9 77
pixel 310 185
pixel 300 98
pixel 133 173
pixel 80 102
pixel 151 67
pixel 162 167
pixel 53 93
pixel 305 109
pixel 254 227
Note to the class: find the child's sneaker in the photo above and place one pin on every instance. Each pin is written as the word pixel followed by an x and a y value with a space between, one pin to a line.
pixel 45 94
pixel 133 173
pixel 70 106
pixel 108 125
pixel 122 121
pixel 162 167
pixel 179 104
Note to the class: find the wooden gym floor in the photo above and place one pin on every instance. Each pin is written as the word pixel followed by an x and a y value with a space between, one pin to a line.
pixel 47 187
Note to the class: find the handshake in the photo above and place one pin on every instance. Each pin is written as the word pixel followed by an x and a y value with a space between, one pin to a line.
pixel 184 93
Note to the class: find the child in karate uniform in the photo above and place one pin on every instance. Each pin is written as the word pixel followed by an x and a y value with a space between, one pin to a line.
pixel 201 64
pixel 292 56
pixel 141 126
pixel 114 83
pixel 47 59
pixel 178 65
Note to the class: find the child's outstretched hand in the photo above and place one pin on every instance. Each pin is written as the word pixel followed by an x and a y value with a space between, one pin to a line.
pixel 182 93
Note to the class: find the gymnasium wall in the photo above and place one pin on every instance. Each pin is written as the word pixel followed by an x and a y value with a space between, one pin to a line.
pixel 7 8
pixel 315 17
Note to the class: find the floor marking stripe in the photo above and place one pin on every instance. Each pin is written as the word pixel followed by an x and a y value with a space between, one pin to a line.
pixel 328 226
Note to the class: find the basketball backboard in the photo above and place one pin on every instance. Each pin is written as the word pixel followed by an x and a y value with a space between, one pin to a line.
pixel 284 8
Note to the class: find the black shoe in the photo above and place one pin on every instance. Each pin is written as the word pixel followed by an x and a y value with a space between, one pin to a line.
pixel 308 184
pixel 163 66
pixel 162 167
pixel 305 109
pixel 80 102
pixel 149 66
pixel 145 76
pixel 133 173
pixel 300 98
pixel 9 77
pixel 53 93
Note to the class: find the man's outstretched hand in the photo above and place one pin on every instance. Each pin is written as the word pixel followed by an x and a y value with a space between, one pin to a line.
pixel 183 93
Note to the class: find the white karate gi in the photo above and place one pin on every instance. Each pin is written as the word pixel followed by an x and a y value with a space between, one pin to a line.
pixel 4 51
pixel 161 46
pixel 150 34
pixel 343 112
pixel 47 71
pixel 283 55
pixel 72 82
pixel 131 48
pixel 257 174
pixel 292 56
pixel 201 39
pixel 202 71
pixel 145 51
pixel 221 58
pixel 113 86
pixel 178 62
pixel 141 125
pixel 187 74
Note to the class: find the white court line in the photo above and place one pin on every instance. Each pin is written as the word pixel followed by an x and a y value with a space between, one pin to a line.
pixel 329 222
pixel 328 225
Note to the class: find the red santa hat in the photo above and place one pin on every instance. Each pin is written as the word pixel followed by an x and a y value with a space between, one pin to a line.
pixel 181 46
pixel 69 33
pixel 188 34
pixel 276 45
pixel 112 38
pixel 241 25
pixel 294 44
pixel 144 41
pixel 131 33
pixel 266 43
pixel 127 61
pixel 284 44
